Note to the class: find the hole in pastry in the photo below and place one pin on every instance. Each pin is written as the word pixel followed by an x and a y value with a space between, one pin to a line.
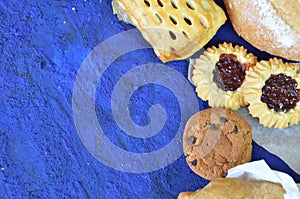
pixel 172 35
pixel 203 21
pixel 173 20
pixel 160 3
pixel 206 6
pixel 172 50
pixel 144 19
pixel 184 33
pixel 147 3
pixel 188 21
pixel 157 18
pixel 190 5
pixel 174 4
pixel 203 25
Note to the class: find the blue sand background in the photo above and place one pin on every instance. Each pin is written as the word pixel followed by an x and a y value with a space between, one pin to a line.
pixel 42 45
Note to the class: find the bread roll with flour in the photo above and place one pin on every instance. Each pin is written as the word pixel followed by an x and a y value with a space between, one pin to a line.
pixel 269 25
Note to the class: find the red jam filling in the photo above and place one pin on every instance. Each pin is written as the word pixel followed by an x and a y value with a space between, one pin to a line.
pixel 280 93
pixel 229 73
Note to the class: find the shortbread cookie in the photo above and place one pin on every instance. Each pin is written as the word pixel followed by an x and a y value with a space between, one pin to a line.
pixel 228 188
pixel 176 29
pixel 215 140
pixel 273 93
pixel 219 75
pixel 269 25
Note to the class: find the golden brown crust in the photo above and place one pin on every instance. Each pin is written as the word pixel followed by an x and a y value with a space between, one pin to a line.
pixel 269 25
pixel 228 188
pixel 254 82
pixel 203 76
pixel 216 140
pixel 176 29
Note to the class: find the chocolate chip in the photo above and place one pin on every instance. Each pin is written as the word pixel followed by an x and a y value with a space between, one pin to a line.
pixel 213 127
pixel 235 129
pixel 192 140
pixel 223 120
pixel 194 163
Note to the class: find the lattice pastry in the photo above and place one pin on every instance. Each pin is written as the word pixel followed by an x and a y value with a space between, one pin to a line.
pixel 176 29
pixel 219 75
pixel 273 93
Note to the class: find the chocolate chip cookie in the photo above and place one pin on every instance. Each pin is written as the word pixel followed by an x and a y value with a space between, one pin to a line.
pixel 215 140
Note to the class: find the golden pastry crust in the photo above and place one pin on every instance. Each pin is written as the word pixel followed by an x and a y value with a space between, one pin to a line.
pixel 176 29
pixel 228 188
pixel 254 82
pixel 269 25
pixel 203 76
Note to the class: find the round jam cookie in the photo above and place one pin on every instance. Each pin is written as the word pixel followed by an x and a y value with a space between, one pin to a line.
pixel 273 93
pixel 215 140
pixel 219 75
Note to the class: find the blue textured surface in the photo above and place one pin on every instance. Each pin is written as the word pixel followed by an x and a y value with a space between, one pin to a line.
pixel 42 45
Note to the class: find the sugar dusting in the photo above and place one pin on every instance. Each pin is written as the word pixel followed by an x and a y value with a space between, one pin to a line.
pixel 284 34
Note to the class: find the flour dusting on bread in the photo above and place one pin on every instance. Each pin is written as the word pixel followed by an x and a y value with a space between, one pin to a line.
pixel 269 25
pixel 282 31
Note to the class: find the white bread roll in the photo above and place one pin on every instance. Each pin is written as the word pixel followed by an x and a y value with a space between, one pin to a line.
pixel 269 25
